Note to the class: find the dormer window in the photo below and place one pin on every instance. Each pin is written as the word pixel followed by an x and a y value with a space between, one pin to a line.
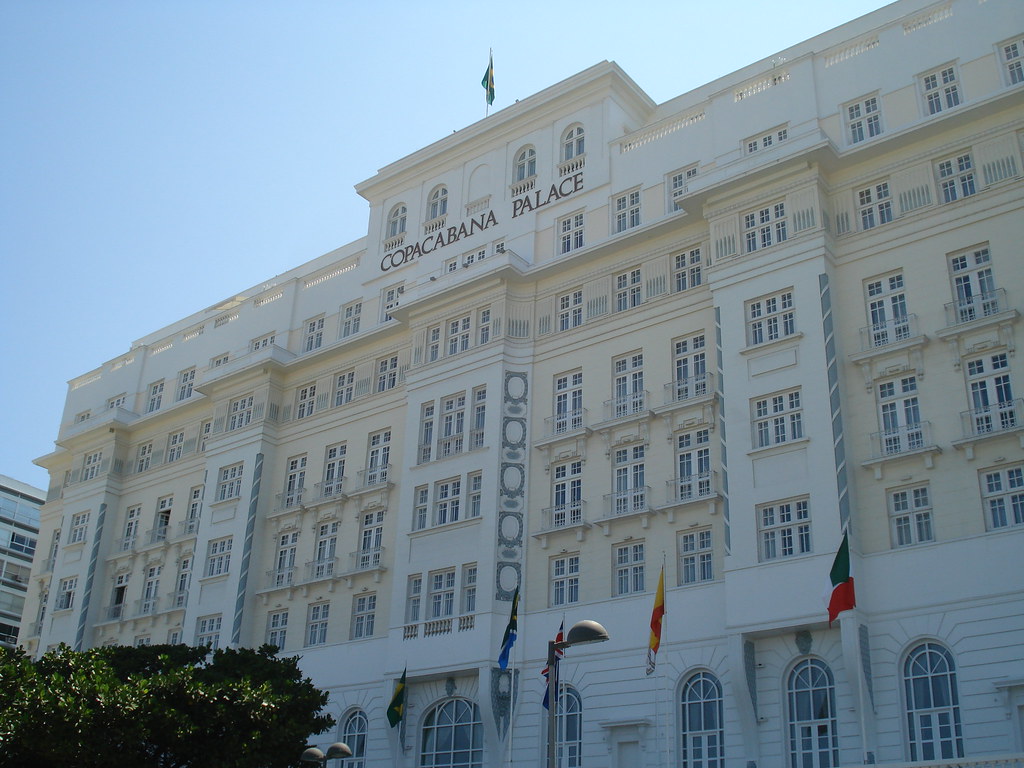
pixel 396 220
pixel 438 205
pixel 526 163
pixel 572 143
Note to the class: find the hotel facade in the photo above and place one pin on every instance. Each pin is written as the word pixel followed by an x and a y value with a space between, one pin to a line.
pixel 587 340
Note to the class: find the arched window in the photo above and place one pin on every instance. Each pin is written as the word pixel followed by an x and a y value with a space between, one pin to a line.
pixel 438 203
pixel 526 163
pixel 933 704
pixel 396 220
pixel 453 736
pixel 812 716
pixel 569 728
pixel 572 143
pixel 702 729
pixel 354 734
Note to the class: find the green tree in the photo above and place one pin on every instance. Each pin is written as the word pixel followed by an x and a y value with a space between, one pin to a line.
pixel 159 706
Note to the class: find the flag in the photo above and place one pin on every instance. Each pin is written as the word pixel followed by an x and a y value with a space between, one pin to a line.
pixel 396 709
pixel 840 594
pixel 488 81
pixel 509 638
pixel 559 653
pixel 656 616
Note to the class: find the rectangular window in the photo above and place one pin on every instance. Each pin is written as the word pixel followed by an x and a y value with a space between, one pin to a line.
pixel 219 360
pixel 629 492
pixel 678 186
pixel 974 285
pixel 447 501
pixel 777 419
pixel 458 334
pixel 570 310
pixel 785 529
pixel 283 574
pixel 314 335
pixel 442 594
pixel 66 593
pixel 413 597
pixel 316 623
pixel 687 269
pixel 325 550
pixel 263 342
pixel 956 177
pixel 229 482
pixel 766 141
pixel 478 418
pixel 185 381
pixel 387 373
pixel 240 412
pixel 469 573
pixel 900 416
pixel 277 628
pixel 991 392
pixel 941 90
pixel 390 297
pixel 887 310
pixel 693 465
pixel 875 205
pixel 626 208
pixel 1002 493
pixel 344 387
pixel 294 481
pixel 570 233
pixel 91 465
pixel 696 557
pixel 628 393
pixel 421 505
pixel 334 469
pixel 117 402
pixel 351 314
pixel 1013 62
pixel 863 120
pixel 765 227
pixel 483 325
pixel 770 318
pixel 567 494
pixel 183 581
pixel 175 445
pixel 305 401
pixel 364 610
pixel 453 425
pixel 143 457
pixel 195 509
pixel 910 516
pixel 690 368
pixel 218 556
pixel 164 506
pixel 568 403
pixel 565 580
pixel 208 631
pixel 629 568
pixel 156 396
pixel 628 291
pixel 378 457
pixel 131 527
pixel 475 482
pixel 205 430
pixel 79 527
pixel 371 539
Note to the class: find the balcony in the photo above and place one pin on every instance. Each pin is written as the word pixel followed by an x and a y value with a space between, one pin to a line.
pixel 289 499
pixel 989 419
pixel 188 527
pixel 436 627
pixel 280 577
pixel 906 439
pixel 682 490
pixel 177 599
pixel 157 535
pixel 372 477
pixel 560 516
pixel 147 606
pixel 126 543
pixel 565 423
pixel 970 308
pixel 691 389
pixel 631 501
pixel 888 332
pixel 114 612
pixel 317 570
pixel 626 406
pixel 365 560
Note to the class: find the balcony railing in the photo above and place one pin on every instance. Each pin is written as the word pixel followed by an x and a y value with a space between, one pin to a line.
pixel 692 487
pixel 993 418
pixel 188 527
pixel 126 543
pixel 280 577
pixel 147 606
pixel 892 442
pixel 366 559
pixel 626 405
pixel 629 501
pixel 330 489
pixel 888 332
pixel 449 446
pixel 321 569
pixel 969 308
pixel 115 612
pixel 290 499
pixel 692 388
pixel 157 535
pixel 374 476
pixel 177 598
pixel 476 439
pixel 565 423
pixel 564 515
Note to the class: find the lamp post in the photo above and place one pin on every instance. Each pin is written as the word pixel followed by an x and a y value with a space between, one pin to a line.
pixel 581 633
pixel 315 755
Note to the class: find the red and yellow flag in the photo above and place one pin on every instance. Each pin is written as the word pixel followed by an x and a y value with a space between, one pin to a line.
pixel 656 616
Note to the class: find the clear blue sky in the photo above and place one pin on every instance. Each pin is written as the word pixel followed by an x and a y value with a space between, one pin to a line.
pixel 159 156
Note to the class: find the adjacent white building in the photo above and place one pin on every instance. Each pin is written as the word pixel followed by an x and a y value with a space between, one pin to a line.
pixel 587 338
pixel 19 530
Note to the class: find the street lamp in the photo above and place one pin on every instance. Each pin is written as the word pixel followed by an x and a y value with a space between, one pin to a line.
pixel 581 633
pixel 315 755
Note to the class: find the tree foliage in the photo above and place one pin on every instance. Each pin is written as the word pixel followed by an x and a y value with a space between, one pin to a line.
pixel 156 707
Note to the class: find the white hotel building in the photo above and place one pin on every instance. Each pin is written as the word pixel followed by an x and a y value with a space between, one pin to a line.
pixel 584 337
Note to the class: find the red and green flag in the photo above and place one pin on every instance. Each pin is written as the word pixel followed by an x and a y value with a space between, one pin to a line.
pixel 840 597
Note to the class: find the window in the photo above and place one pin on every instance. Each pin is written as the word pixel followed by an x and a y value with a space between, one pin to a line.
pixel 185 381
pixel 628 292
pixel 66 593
pixel 875 205
pixel 426 445
pixel 570 310
pixel 437 205
pixel 413 593
pixel 567 494
pixel 974 286
pixel 263 342
pixel 785 529
pixel 569 728
pixel 387 373
pixel 956 177
pixel 770 318
pixel 1013 62
pixel 175 445
pixel 205 430
pixel 479 418
pixel 1002 493
pixel 778 419
pixel 765 227
pixel 334 469
pixel 314 335
pixel 164 505
pixel 131 527
pixel 811 700
pixel 143 457
pixel 887 310
pixel 629 568
pixel 363 611
pixel 933 703
pixel 117 402
pixel 468 602
pixel 284 561
pixel 678 186
pixel 766 141
pixel 353 733
pixel 442 594
pixel 305 401
pixel 396 221
pixel 572 143
pixel 150 590
pixel 696 563
pixel 83 416
pixel 863 120
pixel 156 396
pixel 390 298
pixel 294 481
pixel 351 314
pixel 195 509
pixel 371 539
pixel 690 368
pixel 458 334
pixel 626 208
pixel 378 457
pixel 433 343
pixel 277 628
pixel 118 598
pixel 453 425
pixel 91 465
pixel 240 412
pixel 910 516
pixel 629 494
pixel 183 581
pixel 474 481
pixel 702 722
pixel 941 90
pixel 344 387
pixel 447 501
pixel 565 580
pixel 79 527
pixel 229 485
pixel 687 269
pixel 219 360
pixel 526 164
pixel 208 631
pixel 992 406
pixel 900 416
pixel 326 550
pixel 629 396
pixel 570 233
pixel 218 556
pixel 483 325
pixel 693 465
pixel 568 402
pixel 453 735
pixel 316 623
